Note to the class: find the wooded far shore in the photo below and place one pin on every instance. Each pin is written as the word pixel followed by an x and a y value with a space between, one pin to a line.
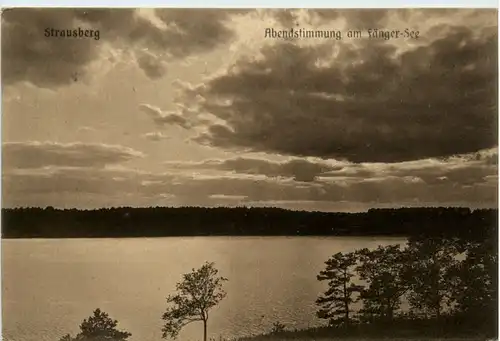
pixel 242 221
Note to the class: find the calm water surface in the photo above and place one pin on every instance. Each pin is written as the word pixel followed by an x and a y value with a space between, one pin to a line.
pixel 51 285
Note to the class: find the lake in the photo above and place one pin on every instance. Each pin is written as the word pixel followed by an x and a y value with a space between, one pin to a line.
pixel 51 285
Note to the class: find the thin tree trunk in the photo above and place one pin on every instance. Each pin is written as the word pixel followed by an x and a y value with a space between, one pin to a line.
pixel 390 311
pixel 437 302
pixel 205 330
pixel 438 299
pixel 346 301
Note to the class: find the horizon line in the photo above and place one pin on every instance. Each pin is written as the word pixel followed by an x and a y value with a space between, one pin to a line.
pixel 472 209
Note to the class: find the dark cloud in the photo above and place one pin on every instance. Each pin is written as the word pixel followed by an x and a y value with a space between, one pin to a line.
pixel 27 55
pixel 151 65
pixel 286 17
pixel 369 103
pixel 365 18
pixel 203 29
pixel 26 155
pixel 357 19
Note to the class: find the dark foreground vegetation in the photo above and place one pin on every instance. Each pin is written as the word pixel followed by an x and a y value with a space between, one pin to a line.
pixel 221 221
pixel 450 285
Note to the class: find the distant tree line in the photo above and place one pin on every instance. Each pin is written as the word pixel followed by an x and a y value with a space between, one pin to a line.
pixel 242 221
pixel 449 284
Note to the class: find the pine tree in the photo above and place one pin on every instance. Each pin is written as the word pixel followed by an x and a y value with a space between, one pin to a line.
pixel 98 327
pixel 429 273
pixel 336 301
pixel 383 270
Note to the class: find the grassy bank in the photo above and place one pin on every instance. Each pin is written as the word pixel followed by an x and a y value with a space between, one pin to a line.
pixel 278 338
pixel 400 330
pixel 291 337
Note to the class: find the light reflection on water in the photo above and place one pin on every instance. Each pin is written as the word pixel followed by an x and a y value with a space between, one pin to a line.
pixel 51 285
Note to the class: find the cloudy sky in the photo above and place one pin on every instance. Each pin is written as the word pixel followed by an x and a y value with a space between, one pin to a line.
pixel 178 107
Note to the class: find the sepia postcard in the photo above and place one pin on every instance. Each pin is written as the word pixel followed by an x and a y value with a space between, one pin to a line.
pixel 249 174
